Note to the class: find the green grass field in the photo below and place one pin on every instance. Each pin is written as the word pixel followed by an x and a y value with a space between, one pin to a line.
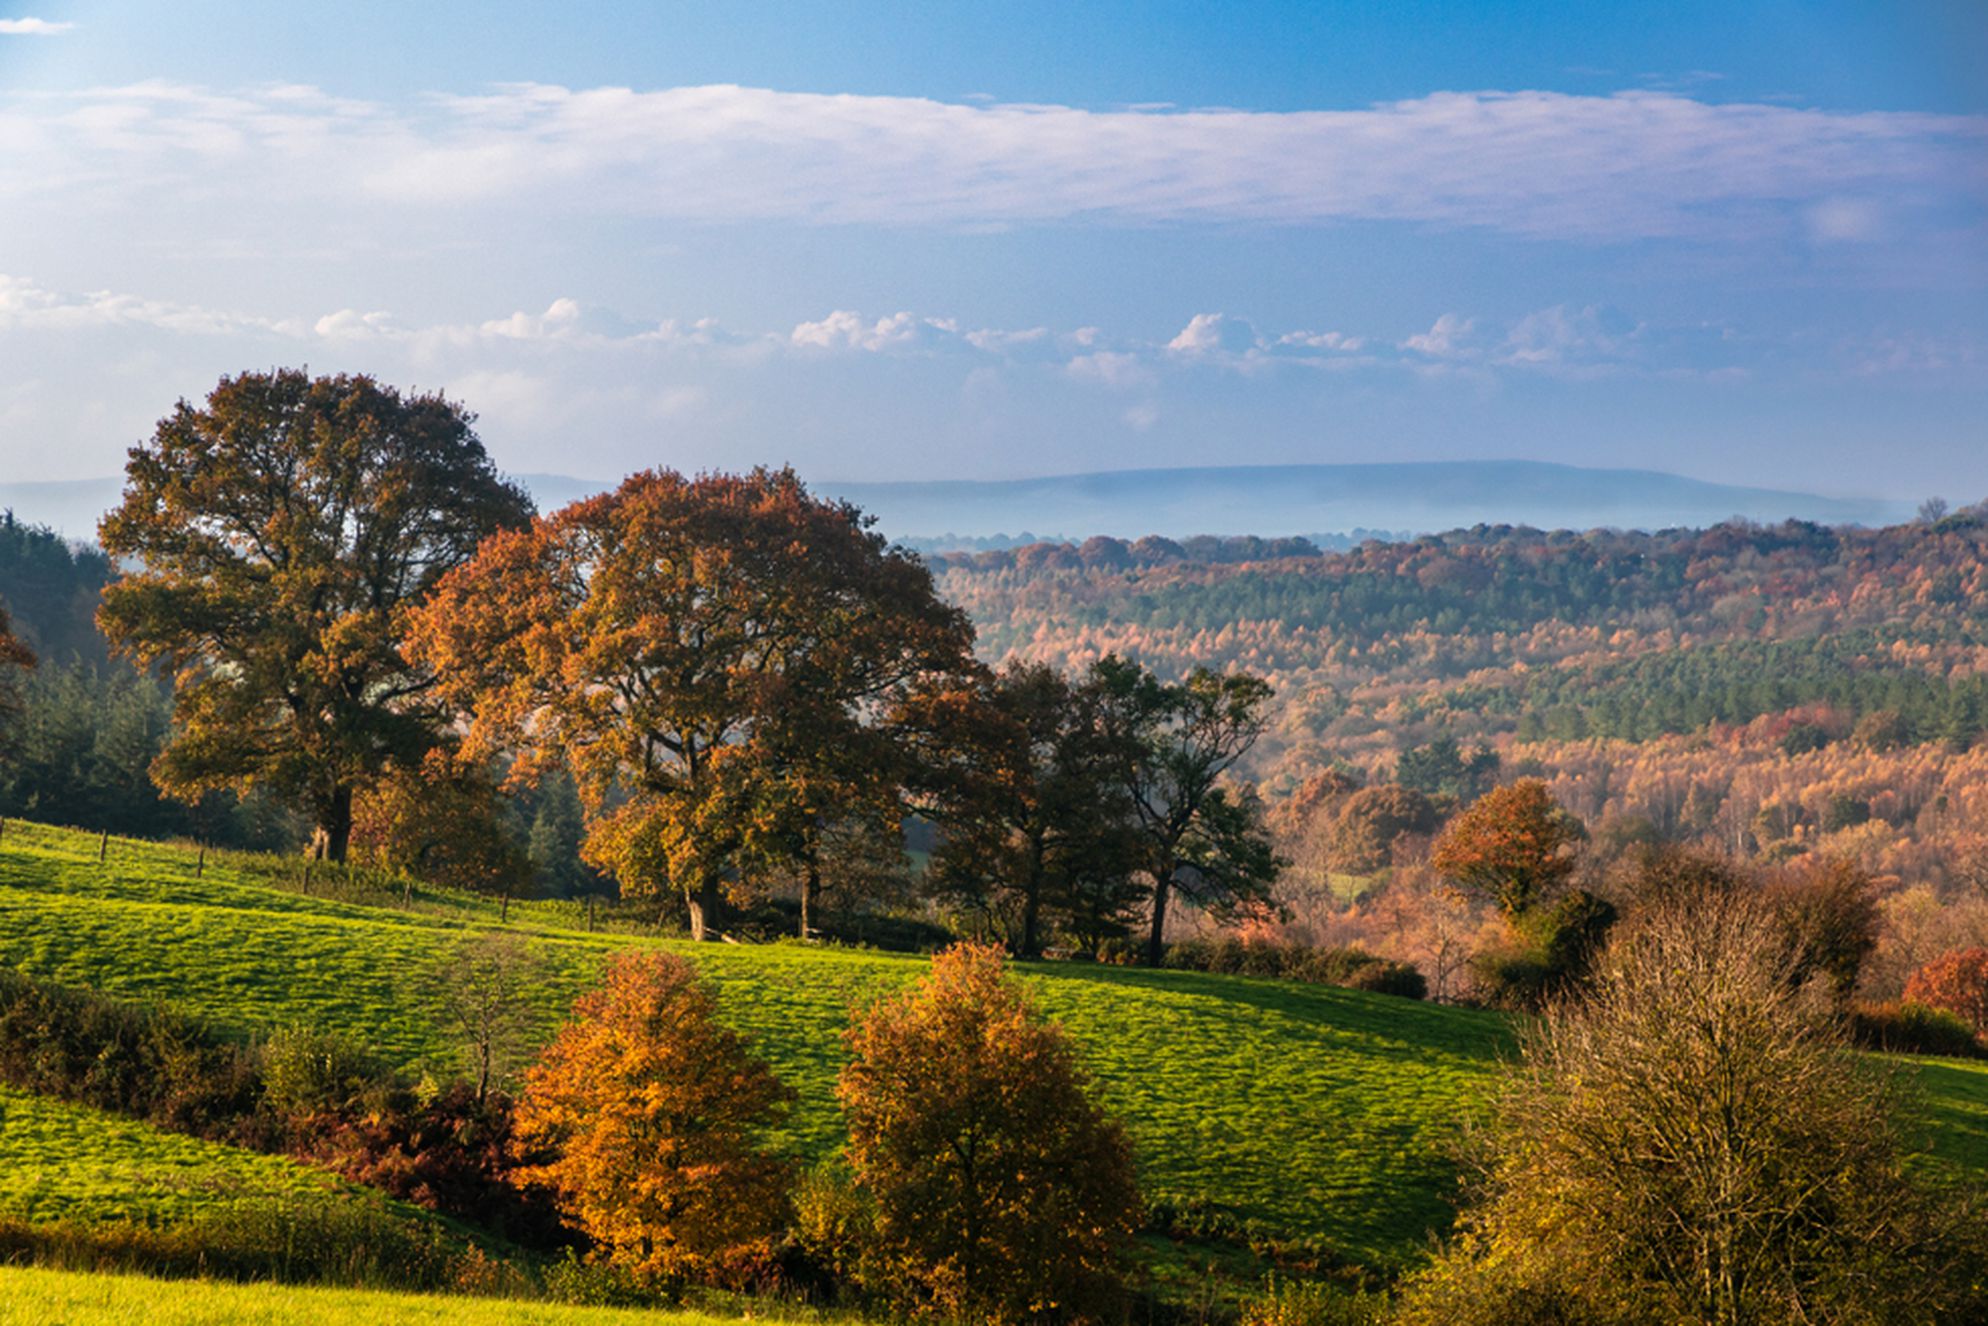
pixel 35 1297
pixel 1313 1112
pixel 65 1162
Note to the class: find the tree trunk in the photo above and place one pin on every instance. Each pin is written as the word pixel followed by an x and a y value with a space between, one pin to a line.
pixel 1156 943
pixel 1032 902
pixel 704 902
pixel 333 834
pixel 810 895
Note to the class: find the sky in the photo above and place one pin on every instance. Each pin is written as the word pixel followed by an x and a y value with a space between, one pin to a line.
pixel 1742 243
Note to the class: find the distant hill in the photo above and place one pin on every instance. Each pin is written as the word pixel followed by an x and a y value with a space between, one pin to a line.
pixel 1271 500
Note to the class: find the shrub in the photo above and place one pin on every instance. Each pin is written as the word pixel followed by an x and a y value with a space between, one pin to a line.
pixel 297 1239
pixel 453 1153
pixel 1692 1142
pixel 1958 983
pixel 1118 952
pixel 308 1074
pixel 145 1062
pixel 1296 1303
pixel 1385 976
pixel 1827 914
pixel 1906 1027
pixel 651 1110
pixel 1002 1191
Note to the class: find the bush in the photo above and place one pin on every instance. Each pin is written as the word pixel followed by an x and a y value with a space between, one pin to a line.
pixel 1296 1303
pixel 1118 952
pixel 307 1074
pixel 299 1239
pixel 1691 1141
pixel 137 1060
pixel 1350 967
pixel 1385 976
pixel 1958 983
pixel 1906 1027
pixel 454 1154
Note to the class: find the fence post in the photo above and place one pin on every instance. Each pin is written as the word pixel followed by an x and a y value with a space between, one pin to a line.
pixel 103 848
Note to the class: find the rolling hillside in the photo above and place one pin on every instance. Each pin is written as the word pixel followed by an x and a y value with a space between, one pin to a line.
pixel 1309 1114
pixel 1302 1112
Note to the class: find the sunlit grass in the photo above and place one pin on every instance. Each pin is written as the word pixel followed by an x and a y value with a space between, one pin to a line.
pixel 41 1297
pixel 1309 1112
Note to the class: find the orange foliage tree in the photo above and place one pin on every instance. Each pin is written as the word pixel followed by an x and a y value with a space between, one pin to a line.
pixel 712 657
pixel 1958 983
pixel 651 1108
pixel 1003 1192
pixel 1514 845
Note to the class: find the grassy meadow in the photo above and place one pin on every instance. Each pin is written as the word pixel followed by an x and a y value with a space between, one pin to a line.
pixel 1305 1112
pixel 1300 1112
pixel 36 1297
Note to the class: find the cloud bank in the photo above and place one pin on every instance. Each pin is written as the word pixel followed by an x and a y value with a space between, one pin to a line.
pixel 1635 165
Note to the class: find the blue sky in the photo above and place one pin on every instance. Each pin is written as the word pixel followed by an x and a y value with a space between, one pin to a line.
pixel 994 240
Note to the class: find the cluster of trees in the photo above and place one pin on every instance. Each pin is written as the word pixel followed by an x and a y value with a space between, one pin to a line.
pixel 981 1181
pixel 700 688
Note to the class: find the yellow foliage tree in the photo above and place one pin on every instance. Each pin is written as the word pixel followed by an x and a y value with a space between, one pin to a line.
pixel 651 1109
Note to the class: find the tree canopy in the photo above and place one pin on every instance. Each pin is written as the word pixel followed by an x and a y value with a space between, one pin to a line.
pixel 705 654
pixel 1003 1192
pixel 1201 835
pixel 278 535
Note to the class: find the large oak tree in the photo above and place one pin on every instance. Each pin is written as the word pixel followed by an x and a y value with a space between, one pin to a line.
pixel 705 654
pixel 277 537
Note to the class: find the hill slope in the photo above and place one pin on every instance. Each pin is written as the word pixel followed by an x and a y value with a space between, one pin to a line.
pixel 1307 1112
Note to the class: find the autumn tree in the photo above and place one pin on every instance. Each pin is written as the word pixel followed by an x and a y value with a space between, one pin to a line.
pixel 1035 821
pixel 1513 845
pixel 700 652
pixel 442 822
pixel 1958 983
pixel 652 1109
pixel 277 537
pixel 1002 1191
pixel 1200 834
pixel 1692 1141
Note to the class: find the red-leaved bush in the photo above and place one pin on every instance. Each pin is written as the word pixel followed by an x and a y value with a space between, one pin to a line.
pixel 1958 983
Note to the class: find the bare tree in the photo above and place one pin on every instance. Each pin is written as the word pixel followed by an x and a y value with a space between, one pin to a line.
pixel 481 991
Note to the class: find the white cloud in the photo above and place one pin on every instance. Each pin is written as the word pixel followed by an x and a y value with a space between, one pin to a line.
pixel 1632 165
pixel 1214 333
pixel 32 27
pixel 1111 368
pixel 1448 338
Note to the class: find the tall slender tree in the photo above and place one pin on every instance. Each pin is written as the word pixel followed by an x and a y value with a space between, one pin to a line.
pixel 695 650
pixel 1035 822
pixel 278 536
pixel 1201 834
